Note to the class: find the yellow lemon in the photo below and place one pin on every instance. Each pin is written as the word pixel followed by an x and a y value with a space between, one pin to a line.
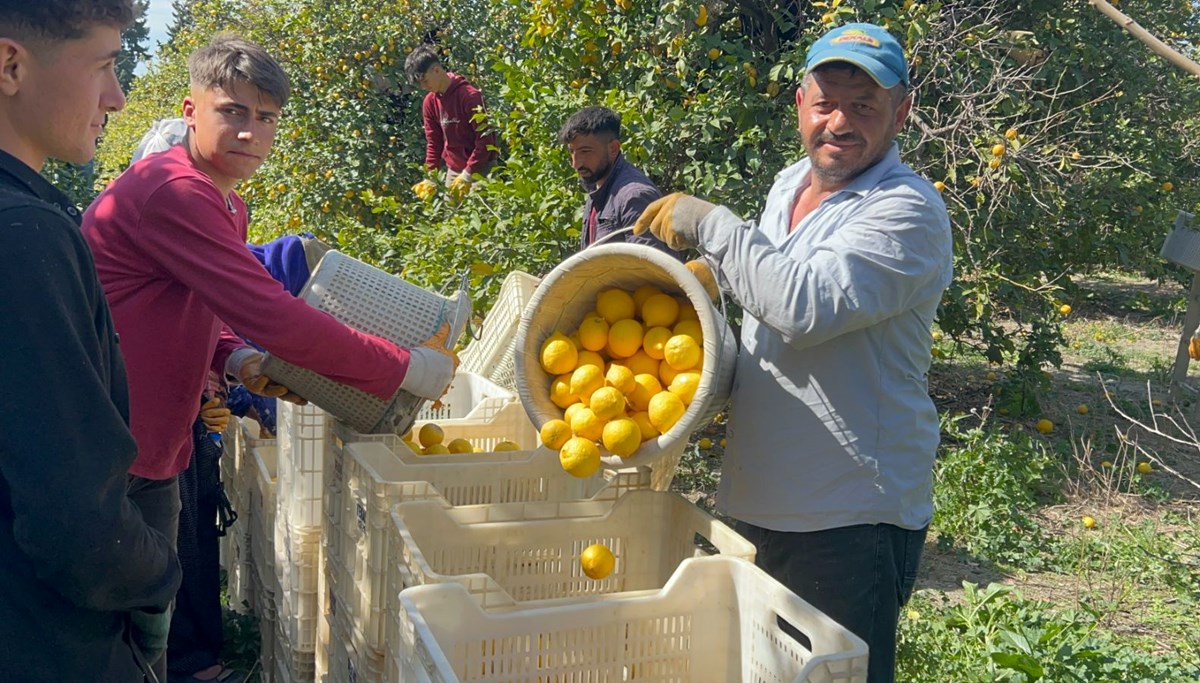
pixel 666 374
pixel 593 333
pixel 620 377
pixel 412 446
pixel 1045 426
pixel 430 434
pixel 722 442
pixel 559 355
pixel 705 443
pixel 1065 309
pixel 597 561
pixel 507 445
pixel 1088 522
pixel 1082 409
pixel 560 391
pixel 607 403
pixel 435 449
pixel 691 328
pixel 684 386
pixel 585 380
pixel 622 437
pixel 571 410
pixel 460 446
pixel 590 358
pixel 665 410
pixel 1144 468
pixel 654 340
pixel 642 293
pixel 648 386
pixel 687 311
pixel 660 310
pixel 585 424
pixel 555 433
pixel 641 363
pixel 682 352
pixel 624 338
pixel 579 457
pixel 615 304
pixel 643 422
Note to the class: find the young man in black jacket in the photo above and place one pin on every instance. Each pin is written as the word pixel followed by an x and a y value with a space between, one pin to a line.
pixel 84 583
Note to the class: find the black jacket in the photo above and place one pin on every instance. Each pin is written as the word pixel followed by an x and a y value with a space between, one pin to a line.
pixel 623 197
pixel 75 555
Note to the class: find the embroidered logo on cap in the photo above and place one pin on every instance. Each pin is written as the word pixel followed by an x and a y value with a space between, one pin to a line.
pixel 855 35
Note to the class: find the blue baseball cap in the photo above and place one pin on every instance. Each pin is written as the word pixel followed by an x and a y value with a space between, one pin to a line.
pixel 867 46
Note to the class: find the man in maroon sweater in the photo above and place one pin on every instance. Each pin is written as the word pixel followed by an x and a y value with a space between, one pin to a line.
pixel 454 137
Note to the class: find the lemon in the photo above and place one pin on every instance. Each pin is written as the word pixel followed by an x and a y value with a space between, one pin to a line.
pixel 666 374
pixel 642 294
pixel 705 443
pixel 597 561
pixel 430 434
pixel 435 449
pixel 622 437
pixel 1082 409
pixel 722 442
pixel 593 333
pixel 607 403
pixel 1144 468
pixel 641 364
pixel 691 328
pixel 579 457
pixel 560 391
pixel 682 352
pixel 660 310
pixel 559 355
pixel 590 358
pixel 1045 426
pixel 684 386
pixel 620 377
pixel 1065 309
pixel 648 386
pixel 586 424
pixel 687 311
pixel 460 446
pixel 665 410
pixel 1088 522
pixel 615 304
pixel 585 380
pixel 555 433
pixel 571 410
pixel 642 419
pixel 654 340
pixel 507 445
pixel 625 338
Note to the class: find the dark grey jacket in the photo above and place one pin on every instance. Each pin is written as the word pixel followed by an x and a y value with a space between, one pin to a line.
pixel 619 201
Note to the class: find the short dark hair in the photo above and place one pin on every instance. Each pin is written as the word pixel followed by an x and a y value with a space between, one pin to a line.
pixel 59 20
pixel 591 121
pixel 228 59
pixel 421 59
pixel 898 91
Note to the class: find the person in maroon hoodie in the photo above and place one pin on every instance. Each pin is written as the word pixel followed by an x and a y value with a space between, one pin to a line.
pixel 454 138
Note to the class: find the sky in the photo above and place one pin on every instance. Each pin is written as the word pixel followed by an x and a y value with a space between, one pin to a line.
pixel 158 18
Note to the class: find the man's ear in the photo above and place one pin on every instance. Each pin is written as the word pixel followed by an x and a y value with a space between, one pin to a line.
pixel 13 65
pixel 189 111
pixel 614 148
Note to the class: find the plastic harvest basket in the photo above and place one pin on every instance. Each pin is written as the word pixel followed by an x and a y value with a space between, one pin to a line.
pixel 493 353
pixel 717 619
pixel 567 294
pixel 372 301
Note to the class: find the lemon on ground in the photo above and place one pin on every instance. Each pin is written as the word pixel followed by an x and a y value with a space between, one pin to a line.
pixel 593 333
pixel 1082 409
pixel 1065 309
pixel 660 310
pixel 691 328
pixel 665 410
pixel 507 445
pixel 624 338
pixel 597 561
pixel 684 386
pixel 642 293
pixel 643 422
pixel 590 358
pixel 579 457
pixel 435 449
pixel 648 386
pixel 620 377
pixel 585 380
pixel 559 354
pixel 615 304
pixel 1088 522
pixel 705 443
pixel 641 364
pixel 586 424
pixel 460 446
pixel 654 340
pixel 722 442
pixel 682 352
pixel 622 437
pixel 666 374
pixel 430 434
pixel 1106 464
pixel 555 433
pixel 1144 468
pixel 1045 426
pixel 607 403
pixel 560 391
pixel 571 410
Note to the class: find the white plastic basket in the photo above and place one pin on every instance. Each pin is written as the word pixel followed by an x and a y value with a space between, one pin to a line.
pixel 372 301
pixel 302 438
pixel 492 354
pixel 717 619
pixel 569 292
pixel 1182 245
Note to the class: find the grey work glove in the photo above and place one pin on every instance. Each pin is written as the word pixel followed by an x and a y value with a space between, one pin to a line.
pixel 150 632
pixel 705 275
pixel 431 366
pixel 675 220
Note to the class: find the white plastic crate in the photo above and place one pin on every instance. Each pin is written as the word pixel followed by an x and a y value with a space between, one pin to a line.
pixel 491 355
pixel 717 619
pixel 301 441
pixel 239 569
pixel 262 514
pixel 482 412
pixel 293 664
pixel 351 660
pixel 372 301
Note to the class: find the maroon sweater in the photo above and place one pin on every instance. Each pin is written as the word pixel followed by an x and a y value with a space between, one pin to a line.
pixel 451 137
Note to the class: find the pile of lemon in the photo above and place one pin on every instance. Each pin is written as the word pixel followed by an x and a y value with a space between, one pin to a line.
pixel 623 377
pixel 431 440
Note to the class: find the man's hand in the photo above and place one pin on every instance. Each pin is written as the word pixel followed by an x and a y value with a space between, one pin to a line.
pixel 255 382
pixel 425 190
pixel 674 219
pixel 1194 348
pixel 459 187
pixel 214 414
pixel 431 366
pixel 705 275
pixel 150 633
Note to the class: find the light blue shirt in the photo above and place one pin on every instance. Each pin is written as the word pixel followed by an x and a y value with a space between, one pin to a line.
pixel 831 423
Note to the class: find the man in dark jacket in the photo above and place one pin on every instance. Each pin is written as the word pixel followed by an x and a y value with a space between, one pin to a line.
pixel 617 191
pixel 84 582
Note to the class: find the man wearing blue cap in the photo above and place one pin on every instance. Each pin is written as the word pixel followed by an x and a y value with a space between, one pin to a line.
pixel 832 434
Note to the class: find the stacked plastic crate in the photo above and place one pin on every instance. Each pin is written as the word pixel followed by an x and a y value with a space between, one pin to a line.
pixel 235 544
pixel 262 508
pixel 491 355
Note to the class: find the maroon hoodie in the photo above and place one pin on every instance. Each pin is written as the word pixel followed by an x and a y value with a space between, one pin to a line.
pixel 451 137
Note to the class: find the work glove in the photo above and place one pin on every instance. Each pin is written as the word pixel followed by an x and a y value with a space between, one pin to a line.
pixel 705 275
pixel 675 220
pixel 214 415
pixel 459 188
pixel 425 190
pixel 250 374
pixel 1194 347
pixel 149 632
pixel 431 366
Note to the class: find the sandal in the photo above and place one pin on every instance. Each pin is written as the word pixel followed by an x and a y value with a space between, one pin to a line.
pixel 223 676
